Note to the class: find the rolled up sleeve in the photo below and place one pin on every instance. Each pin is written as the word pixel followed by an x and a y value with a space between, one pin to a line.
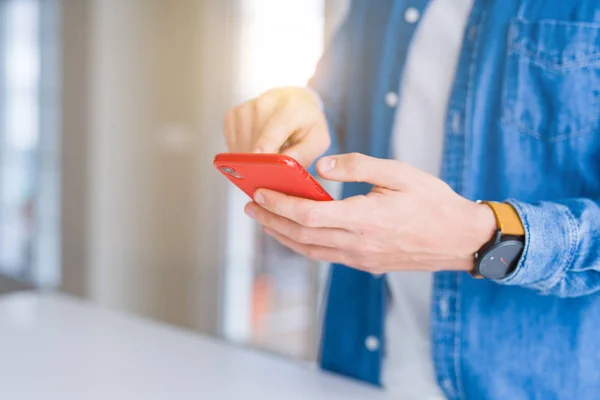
pixel 561 256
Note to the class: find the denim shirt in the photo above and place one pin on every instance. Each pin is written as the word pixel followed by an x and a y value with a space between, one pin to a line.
pixel 522 126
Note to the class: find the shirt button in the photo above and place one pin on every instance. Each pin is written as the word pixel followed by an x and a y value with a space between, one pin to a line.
pixel 372 343
pixel 444 307
pixel 411 15
pixel 391 99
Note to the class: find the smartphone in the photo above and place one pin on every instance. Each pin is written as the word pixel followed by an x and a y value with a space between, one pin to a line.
pixel 276 172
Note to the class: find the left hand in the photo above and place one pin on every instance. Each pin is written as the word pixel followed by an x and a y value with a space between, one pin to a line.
pixel 409 221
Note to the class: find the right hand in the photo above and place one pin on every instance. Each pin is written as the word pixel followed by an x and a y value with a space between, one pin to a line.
pixel 284 120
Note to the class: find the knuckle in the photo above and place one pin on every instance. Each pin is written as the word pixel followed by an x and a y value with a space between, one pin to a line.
pixel 265 102
pixel 310 217
pixel 273 207
pixel 301 235
pixel 366 250
pixel 245 113
pixel 355 162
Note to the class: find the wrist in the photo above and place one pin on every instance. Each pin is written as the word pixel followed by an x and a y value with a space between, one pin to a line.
pixel 483 227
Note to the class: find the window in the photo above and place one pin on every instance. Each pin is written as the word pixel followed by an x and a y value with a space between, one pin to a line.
pixel 28 217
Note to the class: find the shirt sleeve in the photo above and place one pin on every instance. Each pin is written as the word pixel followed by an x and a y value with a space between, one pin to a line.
pixel 561 256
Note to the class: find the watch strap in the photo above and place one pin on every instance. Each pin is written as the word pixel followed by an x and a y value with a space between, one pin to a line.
pixel 507 218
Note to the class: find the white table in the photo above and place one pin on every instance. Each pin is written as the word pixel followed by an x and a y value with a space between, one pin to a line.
pixel 55 347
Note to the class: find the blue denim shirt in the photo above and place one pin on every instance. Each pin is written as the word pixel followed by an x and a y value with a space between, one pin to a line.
pixel 522 126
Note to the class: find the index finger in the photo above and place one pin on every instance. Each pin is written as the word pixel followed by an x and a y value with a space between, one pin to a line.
pixel 276 131
pixel 309 213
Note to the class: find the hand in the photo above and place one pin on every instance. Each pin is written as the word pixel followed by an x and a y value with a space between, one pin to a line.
pixel 409 221
pixel 283 120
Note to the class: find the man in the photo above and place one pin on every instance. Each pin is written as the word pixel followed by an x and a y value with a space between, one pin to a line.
pixel 501 100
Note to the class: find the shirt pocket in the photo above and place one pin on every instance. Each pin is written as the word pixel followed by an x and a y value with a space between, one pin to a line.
pixel 552 83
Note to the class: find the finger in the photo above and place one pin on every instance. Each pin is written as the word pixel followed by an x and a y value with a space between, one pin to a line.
pixel 328 254
pixel 326 237
pixel 229 129
pixel 244 127
pixel 357 167
pixel 279 127
pixel 309 213
pixel 313 252
pixel 309 148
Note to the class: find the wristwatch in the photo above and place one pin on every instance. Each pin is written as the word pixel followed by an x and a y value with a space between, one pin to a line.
pixel 500 256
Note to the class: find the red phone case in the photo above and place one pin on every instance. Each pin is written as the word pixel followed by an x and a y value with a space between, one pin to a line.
pixel 277 172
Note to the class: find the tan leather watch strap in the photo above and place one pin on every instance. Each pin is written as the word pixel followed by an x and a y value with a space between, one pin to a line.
pixel 507 218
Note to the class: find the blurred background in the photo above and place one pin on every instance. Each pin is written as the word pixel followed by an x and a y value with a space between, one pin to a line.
pixel 110 114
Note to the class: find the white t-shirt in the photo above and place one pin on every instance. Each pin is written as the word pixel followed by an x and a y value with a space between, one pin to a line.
pixel 418 137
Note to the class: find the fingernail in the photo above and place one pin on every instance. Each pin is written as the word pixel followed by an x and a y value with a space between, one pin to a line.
pixel 249 212
pixel 259 198
pixel 268 231
pixel 328 164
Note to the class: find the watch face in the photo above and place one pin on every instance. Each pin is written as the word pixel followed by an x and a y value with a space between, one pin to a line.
pixel 501 260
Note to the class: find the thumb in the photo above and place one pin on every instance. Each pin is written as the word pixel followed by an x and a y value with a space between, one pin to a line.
pixel 356 167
